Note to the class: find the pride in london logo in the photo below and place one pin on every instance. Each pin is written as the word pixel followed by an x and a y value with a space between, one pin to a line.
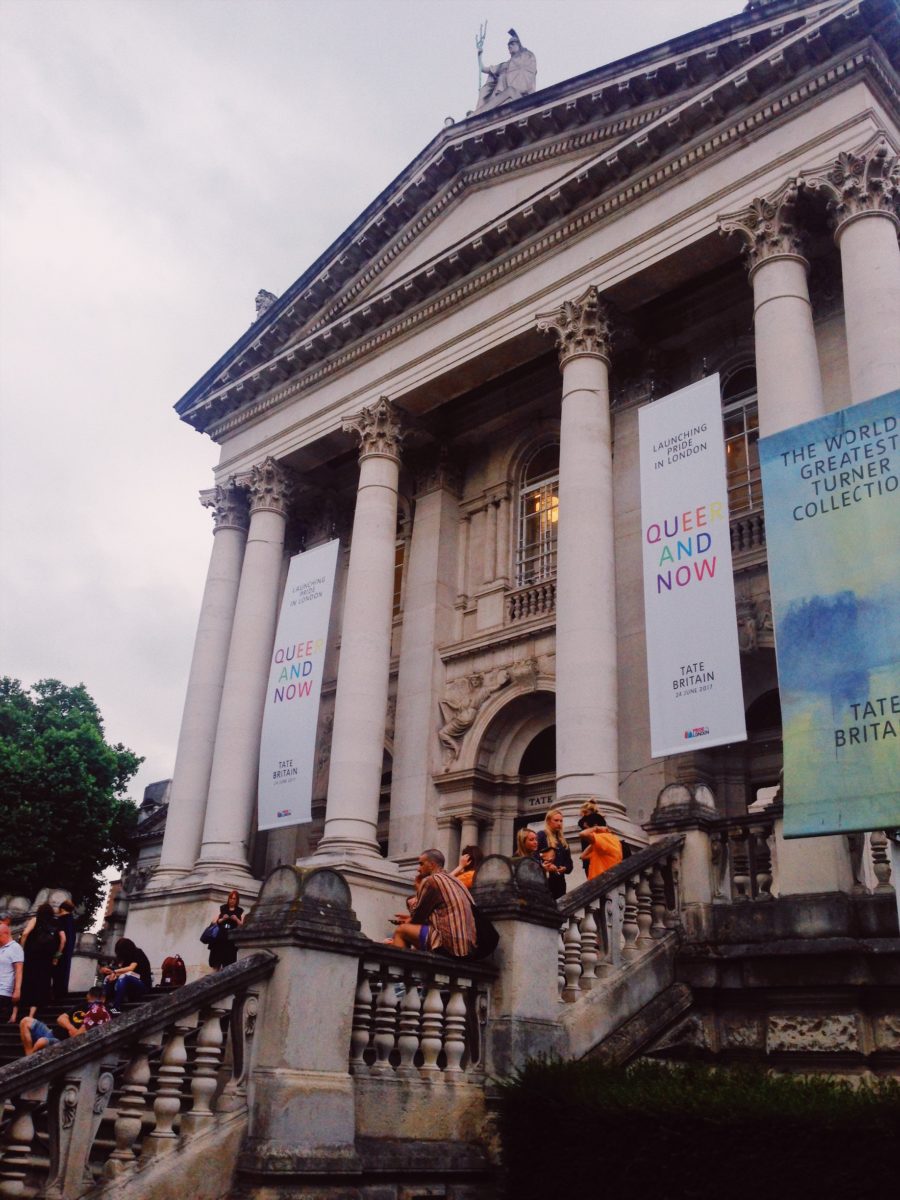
pixel 700 731
pixel 284 812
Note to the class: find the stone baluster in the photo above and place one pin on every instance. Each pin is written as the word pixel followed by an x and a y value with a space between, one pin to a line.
pixel 572 966
pixel 166 1107
pixel 17 1144
pixel 131 1108
pixel 432 1026
pixel 209 1048
pixel 630 928
pixel 361 1033
pixel 455 1027
pixel 657 902
pixel 386 1013
pixel 242 1028
pixel 589 953
pixel 863 190
pixel 609 935
pixel 645 908
pixel 718 849
pixel 789 384
pixel 673 913
pixel 762 860
pixel 410 1027
pixel 587 734
pixel 561 962
pixel 881 861
pixel 740 863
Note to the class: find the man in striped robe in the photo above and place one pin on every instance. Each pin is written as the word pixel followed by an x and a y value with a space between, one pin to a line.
pixel 442 920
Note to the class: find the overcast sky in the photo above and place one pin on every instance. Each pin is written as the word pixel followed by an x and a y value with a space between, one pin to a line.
pixel 162 160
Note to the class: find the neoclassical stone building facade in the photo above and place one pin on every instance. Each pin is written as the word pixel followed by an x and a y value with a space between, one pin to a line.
pixel 453 390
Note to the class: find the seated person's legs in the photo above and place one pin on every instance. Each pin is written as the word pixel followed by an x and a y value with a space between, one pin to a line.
pixel 410 937
pixel 129 987
pixel 35 1035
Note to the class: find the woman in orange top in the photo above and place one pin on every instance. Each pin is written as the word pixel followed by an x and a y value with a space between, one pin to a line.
pixel 470 858
pixel 602 848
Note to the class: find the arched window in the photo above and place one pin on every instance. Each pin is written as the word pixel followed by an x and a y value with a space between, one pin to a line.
pixel 538 516
pixel 741 419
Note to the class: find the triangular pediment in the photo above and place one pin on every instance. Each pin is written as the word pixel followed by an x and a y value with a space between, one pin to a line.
pixel 473 207
pixel 488 188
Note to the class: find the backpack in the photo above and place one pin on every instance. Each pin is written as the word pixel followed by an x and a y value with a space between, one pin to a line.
pixel 44 937
pixel 173 972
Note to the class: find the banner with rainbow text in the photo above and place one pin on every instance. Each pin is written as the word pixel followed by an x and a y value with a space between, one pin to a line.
pixel 287 751
pixel 693 659
pixel 832 497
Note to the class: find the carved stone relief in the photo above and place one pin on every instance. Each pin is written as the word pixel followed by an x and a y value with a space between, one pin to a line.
pixel 755 627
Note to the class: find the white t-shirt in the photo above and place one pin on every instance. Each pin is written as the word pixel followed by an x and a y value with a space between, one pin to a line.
pixel 10 954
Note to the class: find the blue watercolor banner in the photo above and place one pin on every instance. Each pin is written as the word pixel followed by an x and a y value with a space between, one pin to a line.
pixel 832 507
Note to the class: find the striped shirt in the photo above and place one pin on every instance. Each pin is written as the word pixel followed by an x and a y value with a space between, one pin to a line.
pixel 445 906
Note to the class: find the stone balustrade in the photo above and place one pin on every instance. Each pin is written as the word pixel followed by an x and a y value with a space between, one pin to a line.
pixel 157 1076
pixel 741 857
pixel 419 1016
pixel 537 600
pixel 748 532
pixel 613 919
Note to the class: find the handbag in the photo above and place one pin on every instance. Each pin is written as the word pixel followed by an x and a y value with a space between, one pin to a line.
pixel 209 934
pixel 486 936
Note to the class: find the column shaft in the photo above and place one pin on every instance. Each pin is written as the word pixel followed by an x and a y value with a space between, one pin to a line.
pixel 233 781
pixel 789 385
pixel 196 741
pixel 357 743
pixel 870 265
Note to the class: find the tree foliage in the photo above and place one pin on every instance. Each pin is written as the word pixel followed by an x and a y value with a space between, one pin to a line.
pixel 66 816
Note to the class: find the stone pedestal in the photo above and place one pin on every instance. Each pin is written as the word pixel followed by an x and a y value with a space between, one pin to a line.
pixel 302 1117
pixel 806 866
pixel 524 998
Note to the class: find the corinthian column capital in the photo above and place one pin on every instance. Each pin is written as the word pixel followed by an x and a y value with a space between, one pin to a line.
pixel 767 226
pixel 228 502
pixel 581 327
pixel 270 488
pixel 860 184
pixel 379 428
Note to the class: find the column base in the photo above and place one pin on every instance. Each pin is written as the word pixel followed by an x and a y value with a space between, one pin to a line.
pixel 170 922
pixel 377 888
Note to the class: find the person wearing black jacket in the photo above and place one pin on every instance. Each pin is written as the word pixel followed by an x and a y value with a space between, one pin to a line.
pixel 554 853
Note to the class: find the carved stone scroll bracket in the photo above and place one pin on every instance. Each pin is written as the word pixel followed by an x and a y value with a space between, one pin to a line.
pixel 860 184
pixel 228 502
pixel 767 226
pixel 380 428
pixel 581 327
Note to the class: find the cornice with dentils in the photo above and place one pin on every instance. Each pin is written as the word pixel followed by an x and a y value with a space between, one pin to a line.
pixel 339 331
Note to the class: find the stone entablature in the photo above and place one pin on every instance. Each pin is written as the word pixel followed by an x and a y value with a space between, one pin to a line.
pixel 209 405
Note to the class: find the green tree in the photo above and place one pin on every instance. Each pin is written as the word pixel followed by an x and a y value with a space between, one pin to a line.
pixel 65 814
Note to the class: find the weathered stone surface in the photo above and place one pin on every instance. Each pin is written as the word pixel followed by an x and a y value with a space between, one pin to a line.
pixel 813 1033
pixel 741 1033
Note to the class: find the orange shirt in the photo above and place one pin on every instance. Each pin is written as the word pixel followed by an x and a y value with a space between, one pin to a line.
pixel 466 877
pixel 605 851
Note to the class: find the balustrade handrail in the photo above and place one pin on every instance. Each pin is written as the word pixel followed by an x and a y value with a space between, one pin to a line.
pixel 151 1017
pixel 743 820
pixel 440 964
pixel 575 900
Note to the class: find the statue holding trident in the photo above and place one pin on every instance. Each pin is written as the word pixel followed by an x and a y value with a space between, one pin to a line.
pixel 508 80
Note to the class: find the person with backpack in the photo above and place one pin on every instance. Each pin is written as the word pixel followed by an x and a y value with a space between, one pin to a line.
pixel 129 978
pixel 43 942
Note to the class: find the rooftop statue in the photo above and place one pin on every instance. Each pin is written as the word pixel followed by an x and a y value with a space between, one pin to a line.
pixel 509 80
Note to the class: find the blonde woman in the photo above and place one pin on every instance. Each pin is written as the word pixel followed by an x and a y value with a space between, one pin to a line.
pixel 554 853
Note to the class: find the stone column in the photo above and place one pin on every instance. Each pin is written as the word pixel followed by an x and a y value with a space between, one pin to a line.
pixel 468 832
pixel 789 385
pixel 233 781
pixel 357 743
pixel 196 742
pixel 863 191
pixel 428 613
pixel 587 753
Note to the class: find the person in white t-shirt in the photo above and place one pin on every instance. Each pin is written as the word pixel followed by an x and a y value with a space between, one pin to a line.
pixel 12 956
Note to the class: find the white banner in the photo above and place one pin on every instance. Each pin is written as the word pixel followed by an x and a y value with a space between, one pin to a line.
pixel 287 750
pixel 693 660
